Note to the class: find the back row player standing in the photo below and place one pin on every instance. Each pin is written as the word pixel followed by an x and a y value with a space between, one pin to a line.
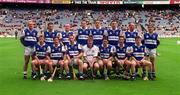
pixel 29 40
pixel 49 34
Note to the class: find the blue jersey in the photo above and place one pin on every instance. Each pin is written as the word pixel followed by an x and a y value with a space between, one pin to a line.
pixel 105 53
pixel 121 52
pixel 97 36
pixel 139 52
pixel 65 37
pixel 83 36
pixel 57 53
pixel 73 50
pixel 130 38
pixel 40 51
pixel 151 40
pixel 30 37
pixel 49 36
pixel 113 36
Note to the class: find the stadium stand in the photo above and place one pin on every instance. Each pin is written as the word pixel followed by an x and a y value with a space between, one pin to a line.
pixel 167 21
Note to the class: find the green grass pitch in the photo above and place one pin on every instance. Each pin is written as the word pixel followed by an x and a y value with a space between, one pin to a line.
pixel 11 82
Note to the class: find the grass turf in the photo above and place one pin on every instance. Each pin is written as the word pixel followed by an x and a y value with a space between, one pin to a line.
pixel 11 82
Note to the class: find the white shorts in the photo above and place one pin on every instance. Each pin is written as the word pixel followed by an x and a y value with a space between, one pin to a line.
pixel 151 52
pixel 28 51
pixel 121 61
pixel 55 62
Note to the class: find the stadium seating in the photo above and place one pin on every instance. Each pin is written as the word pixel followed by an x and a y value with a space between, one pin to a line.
pixel 15 19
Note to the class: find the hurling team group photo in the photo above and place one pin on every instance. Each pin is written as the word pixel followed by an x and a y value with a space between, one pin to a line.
pixel 89 53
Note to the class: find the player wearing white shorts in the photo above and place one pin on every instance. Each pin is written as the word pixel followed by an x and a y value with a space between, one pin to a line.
pixel 74 55
pixel 139 59
pixel 121 57
pixel 151 41
pixel 29 40
pixel 105 58
pixel 41 57
pixel 90 52
pixel 57 55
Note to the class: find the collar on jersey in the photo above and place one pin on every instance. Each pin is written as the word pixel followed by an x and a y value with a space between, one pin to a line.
pixel 66 31
pixel 40 44
pixel 52 30
pixel 114 29
pixel 104 47
pixel 151 33
pixel 137 45
pixel 88 47
pixel 120 46
pixel 133 30
pixel 55 46
pixel 30 30
pixel 84 28
pixel 98 28
pixel 73 43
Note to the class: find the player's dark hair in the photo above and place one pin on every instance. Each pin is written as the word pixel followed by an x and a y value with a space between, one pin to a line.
pixel 105 38
pixel 84 21
pixel 96 20
pixel 113 21
pixel 90 37
pixel 151 26
pixel 138 37
pixel 41 36
pixel 50 23
pixel 55 38
pixel 121 37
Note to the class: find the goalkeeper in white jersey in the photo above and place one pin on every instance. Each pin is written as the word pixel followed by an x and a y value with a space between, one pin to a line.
pixel 90 57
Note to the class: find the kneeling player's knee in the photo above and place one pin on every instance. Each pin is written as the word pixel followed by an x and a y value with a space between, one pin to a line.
pixel 46 62
pixel 133 64
pixel 96 66
pixel 109 64
pixel 34 62
pixel 61 63
pixel 100 63
pixel 80 63
pixel 85 66
pixel 50 63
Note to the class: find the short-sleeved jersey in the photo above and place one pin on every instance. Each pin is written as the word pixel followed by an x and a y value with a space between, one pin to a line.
pixel 121 52
pixel 49 36
pixel 130 38
pixel 41 51
pixel 97 36
pixel 105 52
pixel 83 36
pixel 65 37
pixel 73 50
pixel 113 36
pixel 30 37
pixel 57 53
pixel 90 51
pixel 139 52
pixel 151 40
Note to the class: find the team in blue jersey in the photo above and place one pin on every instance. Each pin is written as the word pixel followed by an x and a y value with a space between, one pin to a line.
pixel 83 33
pixel 113 52
pixel 97 33
pixel 49 34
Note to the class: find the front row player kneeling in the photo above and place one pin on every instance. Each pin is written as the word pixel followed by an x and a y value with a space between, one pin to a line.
pixel 41 58
pixel 139 60
pixel 121 58
pixel 74 52
pixel 90 52
pixel 74 55
pixel 105 59
pixel 57 55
